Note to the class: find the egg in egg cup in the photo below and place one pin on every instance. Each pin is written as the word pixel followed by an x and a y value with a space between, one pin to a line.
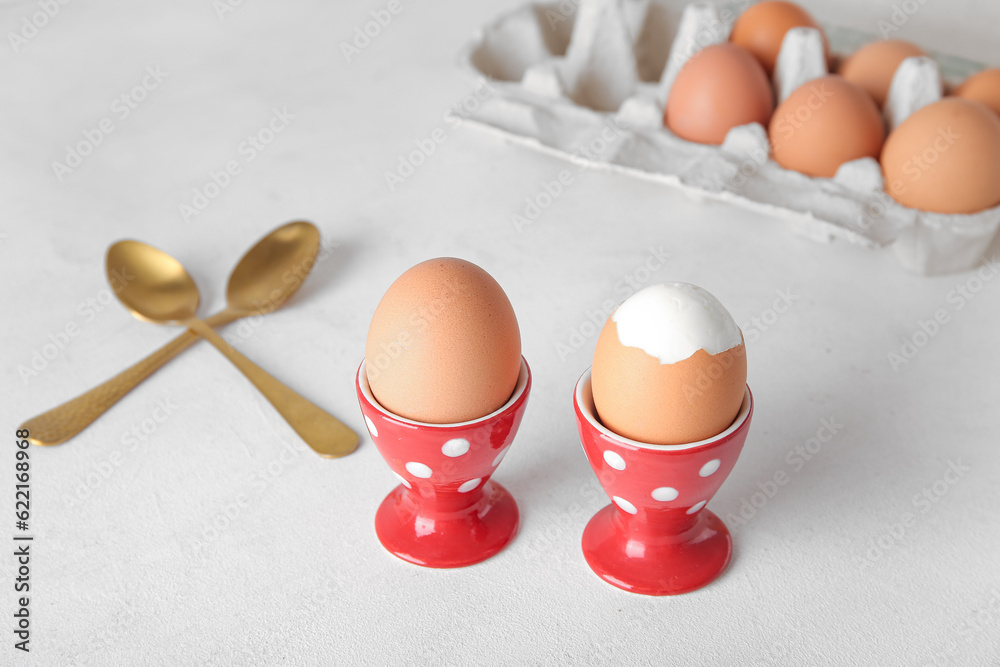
pixel 446 512
pixel 657 538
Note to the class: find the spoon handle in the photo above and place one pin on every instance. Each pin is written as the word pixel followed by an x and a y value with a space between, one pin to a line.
pixel 324 433
pixel 67 420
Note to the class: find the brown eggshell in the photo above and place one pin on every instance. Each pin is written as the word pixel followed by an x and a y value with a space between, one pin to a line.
pixel 945 158
pixel 823 124
pixel 872 66
pixel 720 88
pixel 443 345
pixel 666 404
pixel 982 87
pixel 762 27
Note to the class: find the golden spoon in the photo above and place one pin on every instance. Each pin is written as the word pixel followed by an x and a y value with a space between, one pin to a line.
pixel 163 292
pixel 263 280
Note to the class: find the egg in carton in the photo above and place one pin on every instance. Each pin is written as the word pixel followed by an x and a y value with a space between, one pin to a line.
pixel 589 80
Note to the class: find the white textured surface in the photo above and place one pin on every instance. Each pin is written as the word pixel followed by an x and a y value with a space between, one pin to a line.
pixel 217 538
pixel 672 321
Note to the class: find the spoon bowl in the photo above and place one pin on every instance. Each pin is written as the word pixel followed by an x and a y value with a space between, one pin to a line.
pixel 160 289
pixel 274 269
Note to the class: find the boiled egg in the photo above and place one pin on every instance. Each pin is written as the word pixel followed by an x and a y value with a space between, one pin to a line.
pixel 670 366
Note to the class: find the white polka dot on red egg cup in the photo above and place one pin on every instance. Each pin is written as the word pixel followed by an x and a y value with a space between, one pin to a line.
pixel 649 480
pixel 437 457
pixel 432 458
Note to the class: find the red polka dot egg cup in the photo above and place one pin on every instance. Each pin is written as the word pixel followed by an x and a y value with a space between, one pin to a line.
pixel 446 512
pixel 657 538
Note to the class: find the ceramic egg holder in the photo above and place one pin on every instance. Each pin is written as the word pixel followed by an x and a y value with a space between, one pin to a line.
pixel 592 86
pixel 446 512
pixel 656 537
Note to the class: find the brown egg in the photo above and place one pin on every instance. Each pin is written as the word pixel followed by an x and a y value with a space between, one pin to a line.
pixel 720 88
pixel 443 346
pixel 823 124
pixel 872 66
pixel 982 87
pixel 692 398
pixel 762 27
pixel 945 158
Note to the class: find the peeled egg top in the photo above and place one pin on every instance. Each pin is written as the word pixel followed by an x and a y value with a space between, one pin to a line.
pixel 872 66
pixel 982 87
pixel 762 27
pixel 719 88
pixel 670 366
pixel 443 346
pixel 945 158
pixel 823 124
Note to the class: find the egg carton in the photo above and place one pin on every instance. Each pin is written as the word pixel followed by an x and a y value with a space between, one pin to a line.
pixel 588 80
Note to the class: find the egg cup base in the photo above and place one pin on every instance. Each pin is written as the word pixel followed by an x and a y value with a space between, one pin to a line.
pixel 463 537
pixel 622 553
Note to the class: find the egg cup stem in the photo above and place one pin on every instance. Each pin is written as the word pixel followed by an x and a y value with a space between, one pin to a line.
pixel 447 531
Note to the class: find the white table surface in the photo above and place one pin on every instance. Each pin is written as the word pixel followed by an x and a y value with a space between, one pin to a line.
pixel 220 539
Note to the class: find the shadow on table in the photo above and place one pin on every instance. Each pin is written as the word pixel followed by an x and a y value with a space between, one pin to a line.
pixel 335 257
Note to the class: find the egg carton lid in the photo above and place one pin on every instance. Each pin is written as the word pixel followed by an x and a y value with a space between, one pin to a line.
pixel 587 80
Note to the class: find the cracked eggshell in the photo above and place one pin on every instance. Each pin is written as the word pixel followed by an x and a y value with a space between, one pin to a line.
pixel 664 387
pixel 443 346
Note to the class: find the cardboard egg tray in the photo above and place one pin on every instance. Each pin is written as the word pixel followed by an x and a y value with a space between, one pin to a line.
pixel 588 80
